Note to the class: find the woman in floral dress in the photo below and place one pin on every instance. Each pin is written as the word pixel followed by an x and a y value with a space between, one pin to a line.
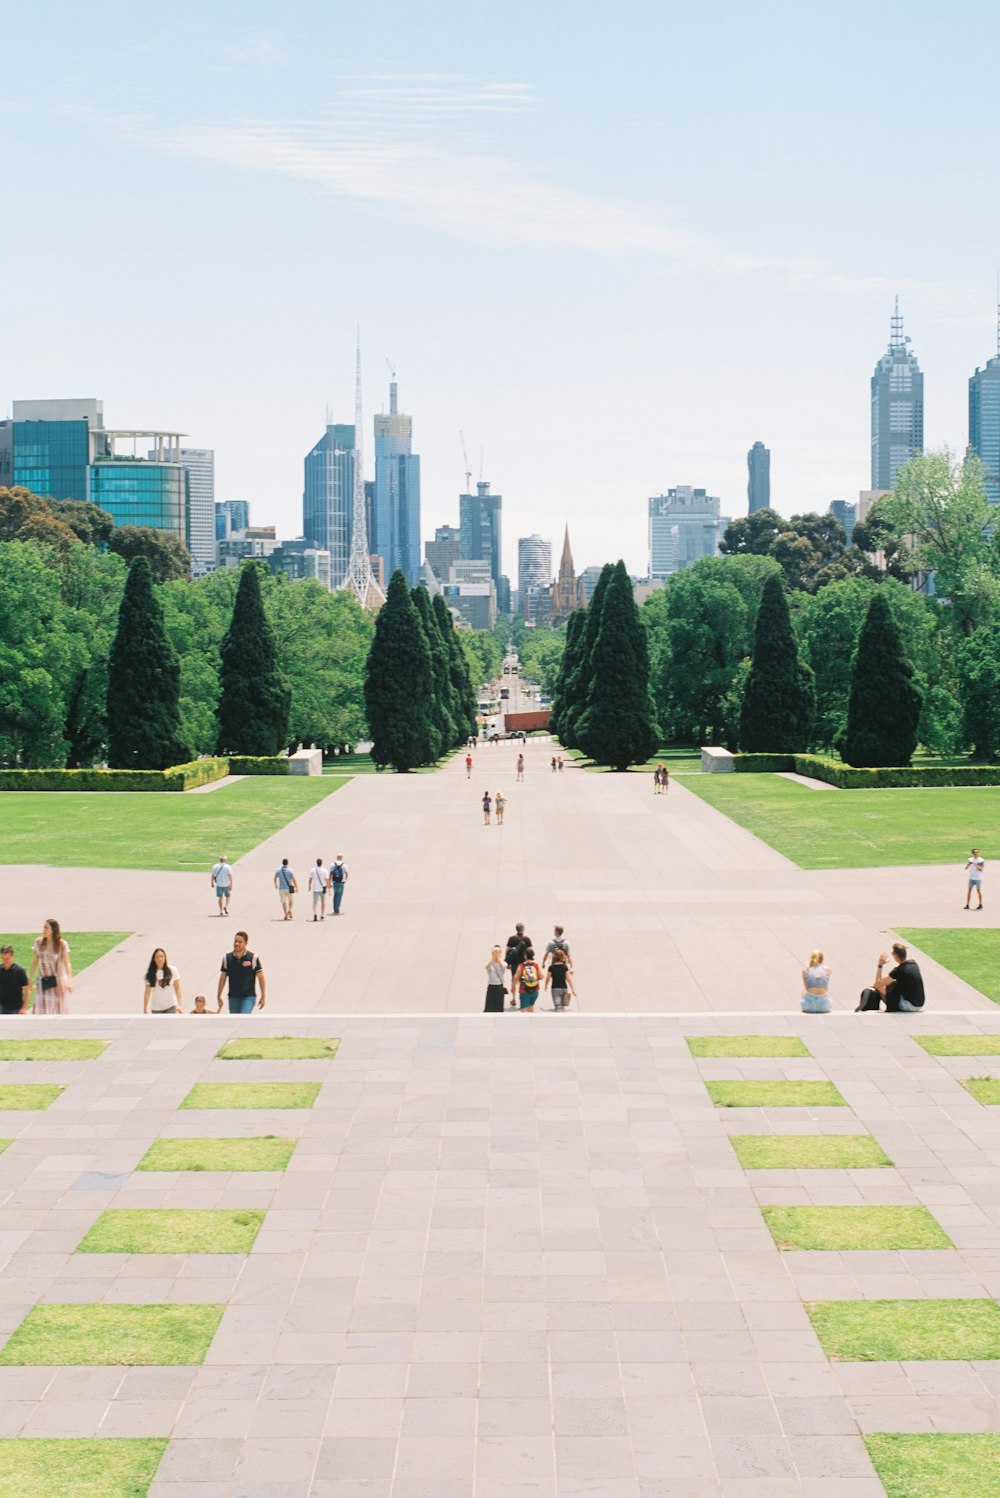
pixel 50 971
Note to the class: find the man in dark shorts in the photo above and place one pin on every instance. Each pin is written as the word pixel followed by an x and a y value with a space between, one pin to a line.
pixel 244 972
pixel 516 946
pixel 903 990
pixel 14 987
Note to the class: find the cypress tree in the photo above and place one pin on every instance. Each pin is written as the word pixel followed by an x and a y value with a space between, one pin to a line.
pixel 144 678
pixel 441 727
pixel 578 681
pixel 779 704
pixel 399 683
pixel 575 626
pixel 254 698
pixel 463 689
pixel 618 726
pixel 884 706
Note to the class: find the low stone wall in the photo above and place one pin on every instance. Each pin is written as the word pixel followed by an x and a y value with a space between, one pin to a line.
pixel 306 762
pixel 716 762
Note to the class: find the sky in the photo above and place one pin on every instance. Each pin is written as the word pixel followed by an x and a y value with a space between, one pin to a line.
pixel 612 246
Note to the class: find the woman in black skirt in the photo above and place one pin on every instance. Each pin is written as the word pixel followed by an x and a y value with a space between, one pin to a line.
pixel 495 990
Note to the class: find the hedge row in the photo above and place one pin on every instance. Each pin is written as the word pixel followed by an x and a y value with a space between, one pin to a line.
pixel 245 764
pixel 849 778
pixel 175 778
pixel 186 777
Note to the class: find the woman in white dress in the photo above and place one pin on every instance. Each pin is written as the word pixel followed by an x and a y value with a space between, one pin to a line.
pixel 50 971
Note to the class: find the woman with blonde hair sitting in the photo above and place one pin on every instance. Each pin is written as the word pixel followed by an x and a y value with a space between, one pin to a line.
pixel 816 986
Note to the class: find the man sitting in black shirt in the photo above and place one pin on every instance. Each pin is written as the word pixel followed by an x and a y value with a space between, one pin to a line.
pixel 14 984
pixel 903 989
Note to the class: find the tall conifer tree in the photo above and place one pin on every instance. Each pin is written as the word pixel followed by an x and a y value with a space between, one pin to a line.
pixel 578 683
pixel 399 683
pixel 144 726
pixel 575 626
pixel 884 706
pixel 464 697
pixel 779 704
pixel 442 729
pixel 618 726
pixel 254 697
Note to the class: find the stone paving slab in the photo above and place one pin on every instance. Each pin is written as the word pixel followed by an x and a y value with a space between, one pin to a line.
pixel 509 1256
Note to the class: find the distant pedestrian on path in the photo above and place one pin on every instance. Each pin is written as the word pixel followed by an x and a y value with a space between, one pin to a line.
pixel 974 866
pixel 338 879
pixel 244 974
pixel 222 881
pixel 558 943
pixel 468 767
pixel 553 764
pixel 520 767
pixel 319 880
pixel 656 780
pixel 560 978
pixel 816 985
pixel 559 763
pixel 487 804
pixel 15 990
pixel 664 779
pixel 527 979
pixel 286 885
pixel 495 987
pixel 501 806
pixel 50 964
pixel 162 994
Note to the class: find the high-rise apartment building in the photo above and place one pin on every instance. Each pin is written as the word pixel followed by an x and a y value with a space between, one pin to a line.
pixel 984 420
pixel 534 563
pixel 480 518
pixel 53 444
pixel 759 484
pixel 328 497
pixel 897 407
pixel 683 526
pixel 231 515
pixel 396 536
pixel 847 514
pixel 200 465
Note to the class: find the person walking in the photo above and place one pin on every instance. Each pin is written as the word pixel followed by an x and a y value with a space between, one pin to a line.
pixel 338 878
pixel 974 866
pixel 287 886
pixel 468 767
pixel 160 979
pixel 15 989
pixel 487 803
pixel 560 978
pixel 559 762
pixel 50 964
pixel 516 945
pixel 664 780
pixel 559 943
pixel 656 781
pixel 520 767
pixel 527 979
pixel 242 969
pixel 222 882
pixel 816 985
pixel 496 989
pixel 500 801
pixel 553 764
pixel 319 880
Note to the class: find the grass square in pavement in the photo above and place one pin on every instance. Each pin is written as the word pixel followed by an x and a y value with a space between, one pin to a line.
pixel 985 1090
pixel 112 1468
pixel 970 954
pixel 841 1228
pixel 268 1153
pixel 959 1045
pixel 252 1095
pixel 745 1045
pixel 937 1466
pixel 51 1050
pixel 808 1151
pixel 172 1230
pixel 775 1095
pixel 888 1331
pixel 279 1048
pixel 19 1097
pixel 57 1336
pixel 85 946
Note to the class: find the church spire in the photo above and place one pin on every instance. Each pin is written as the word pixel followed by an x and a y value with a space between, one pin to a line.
pixel 360 579
pixel 566 563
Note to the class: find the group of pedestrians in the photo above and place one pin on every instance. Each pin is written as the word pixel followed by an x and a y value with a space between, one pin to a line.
pixel 321 881
pixel 661 780
pixel 241 975
pixel 46 988
pixel 529 978
pixel 500 802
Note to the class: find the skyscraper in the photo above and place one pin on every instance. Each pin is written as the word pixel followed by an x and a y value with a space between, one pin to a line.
pixel 534 563
pixel 897 393
pixel 759 485
pixel 443 550
pixel 397 492
pixel 328 496
pixel 683 526
pixel 54 442
pixel 984 420
pixel 200 465
pixel 231 515
pixel 480 518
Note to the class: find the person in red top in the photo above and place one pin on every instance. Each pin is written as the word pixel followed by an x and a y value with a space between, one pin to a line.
pixel 468 767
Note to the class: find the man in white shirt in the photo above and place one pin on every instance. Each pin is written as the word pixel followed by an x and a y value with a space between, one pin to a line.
pixel 319 881
pixel 338 878
pixel 222 880
pixel 974 866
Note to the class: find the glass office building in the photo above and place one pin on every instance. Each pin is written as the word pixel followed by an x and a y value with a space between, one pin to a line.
pixel 984 424
pixel 759 477
pixel 396 533
pixel 136 492
pixel 328 497
pixel 51 457
pixel 897 408
pixel 480 518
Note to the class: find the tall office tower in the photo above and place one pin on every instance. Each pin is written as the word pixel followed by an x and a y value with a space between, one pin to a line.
pixel 480 518
pixel 328 497
pixel 534 563
pixel 759 485
pixel 683 526
pixel 54 443
pixel 564 590
pixel 231 515
pixel 586 583
pixel 397 492
pixel 443 550
pixel 200 465
pixel 847 514
pixel 984 420
pixel 897 407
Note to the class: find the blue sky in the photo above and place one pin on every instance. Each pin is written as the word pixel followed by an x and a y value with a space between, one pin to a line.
pixel 613 245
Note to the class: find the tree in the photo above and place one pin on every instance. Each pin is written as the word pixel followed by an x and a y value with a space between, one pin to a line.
pixel 89 523
pixel 541 656
pixel 35 653
pixel 442 724
pixel 143 682
pixel 979 667
pixel 884 707
pixel 577 688
pixel 576 626
pixel 481 649
pixel 779 702
pixel 398 682
pixel 618 727
pixel 323 640
pixel 254 697
pixel 464 694
pixel 698 626
pixel 751 535
pixel 166 553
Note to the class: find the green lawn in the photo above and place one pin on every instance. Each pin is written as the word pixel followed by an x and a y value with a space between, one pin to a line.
pixel 63 1336
pixel 959 1045
pixel 52 1050
pixel 85 946
pixel 858 829
pixel 937 1466
pixel 143 830
pixel 172 1230
pixel 775 1095
pixel 21 1097
pixel 972 955
pixel 985 1090
pixel 267 1153
pixel 745 1045
pixel 808 1151
pixel 252 1095
pixel 841 1228
pixel 889 1331
pixel 279 1048
pixel 109 1468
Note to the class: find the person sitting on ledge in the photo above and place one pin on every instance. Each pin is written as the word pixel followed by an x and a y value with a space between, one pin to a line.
pixel 903 989
pixel 816 985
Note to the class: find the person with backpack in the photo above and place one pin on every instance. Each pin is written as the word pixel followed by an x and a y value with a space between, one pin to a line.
pixel 338 878
pixel 527 979
pixel 516 946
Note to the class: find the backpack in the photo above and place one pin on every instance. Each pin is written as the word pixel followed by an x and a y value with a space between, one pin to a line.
pixel 337 873
pixel 529 975
pixel 870 999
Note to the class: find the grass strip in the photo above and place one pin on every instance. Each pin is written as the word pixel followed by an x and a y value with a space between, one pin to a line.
pixel 888 1331
pixel 775 1095
pixel 21 1097
pixel 842 1228
pixel 808 1151
pixel 937 1465
pixel 252 1095
pixel 746 1045
pixel 113 1335
pixel 985 1090
pixel 268 1153
pixel 972 955
pixel 172 1230
pixel 112 1468
pixel 52 1050
pixel 279 1048
pixel 959 1045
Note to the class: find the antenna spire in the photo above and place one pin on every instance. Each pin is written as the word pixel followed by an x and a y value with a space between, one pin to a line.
pixel 359 578
pixel 896 339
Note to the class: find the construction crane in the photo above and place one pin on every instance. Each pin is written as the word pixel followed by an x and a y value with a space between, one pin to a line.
pixel 468 469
